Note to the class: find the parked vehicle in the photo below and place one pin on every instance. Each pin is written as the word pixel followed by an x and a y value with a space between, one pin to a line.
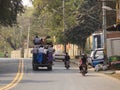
pixel 59 55
pixel 96 57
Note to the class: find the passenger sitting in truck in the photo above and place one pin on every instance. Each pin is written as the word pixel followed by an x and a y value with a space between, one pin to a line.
pixel 41 54
pixel 34 51
pixel 36 40
pixel 45 49
pixel 41 49
pixel 50 53
pixel 41 42
pixel 48 40
pixel 50 48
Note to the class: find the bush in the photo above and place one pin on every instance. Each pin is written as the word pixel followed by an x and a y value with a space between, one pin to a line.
pixel 1 54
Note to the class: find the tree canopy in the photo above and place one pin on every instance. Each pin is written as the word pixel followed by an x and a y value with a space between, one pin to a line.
pixel 81 17
pixel 9 9
pixel 88 18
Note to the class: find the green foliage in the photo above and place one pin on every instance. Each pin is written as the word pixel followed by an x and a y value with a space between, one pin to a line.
pixel 82 18
pixel 9 10
pixel 1 54
pixel 14 37
pixel 88 21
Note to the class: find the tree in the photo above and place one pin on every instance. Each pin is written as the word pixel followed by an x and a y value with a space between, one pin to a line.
pixel 54 8
pixel 88 18
pixel 9 9
pixel 14 37
pixel 82 18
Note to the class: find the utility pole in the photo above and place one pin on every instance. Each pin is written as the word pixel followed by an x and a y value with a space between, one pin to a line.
pixel 63 15
pixel 104 8
pixel 104 30
pixel 64 24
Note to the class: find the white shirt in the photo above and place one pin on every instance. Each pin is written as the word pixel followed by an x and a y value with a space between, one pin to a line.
pixel 41 50
pixel 50 49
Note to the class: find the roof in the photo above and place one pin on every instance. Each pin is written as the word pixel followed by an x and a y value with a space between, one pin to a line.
pixel 115 27
pixel 99 49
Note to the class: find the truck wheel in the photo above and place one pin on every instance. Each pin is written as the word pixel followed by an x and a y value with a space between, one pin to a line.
pixel 49 68
pixel 35 67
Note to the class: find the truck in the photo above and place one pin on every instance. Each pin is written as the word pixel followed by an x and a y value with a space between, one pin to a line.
pixel 43 58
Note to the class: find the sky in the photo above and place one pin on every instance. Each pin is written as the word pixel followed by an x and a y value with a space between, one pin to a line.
pixel 27 3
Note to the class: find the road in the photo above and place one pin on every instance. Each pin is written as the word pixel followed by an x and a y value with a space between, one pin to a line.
pixel 18 75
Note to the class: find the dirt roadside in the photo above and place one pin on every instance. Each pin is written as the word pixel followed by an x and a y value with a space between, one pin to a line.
pixel 111 73
pixel 115 75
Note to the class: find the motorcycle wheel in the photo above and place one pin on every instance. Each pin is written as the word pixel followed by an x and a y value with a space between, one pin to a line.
pixel 67 66
pixel 83 73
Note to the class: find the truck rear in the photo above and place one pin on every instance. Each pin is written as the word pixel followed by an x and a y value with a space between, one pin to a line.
pixel 42 60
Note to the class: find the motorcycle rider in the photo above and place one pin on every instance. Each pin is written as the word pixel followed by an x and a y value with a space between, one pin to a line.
pixel 83 61
pixel 67 58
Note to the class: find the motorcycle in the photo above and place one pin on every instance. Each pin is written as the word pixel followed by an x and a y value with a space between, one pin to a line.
pixel 83 69
pixel 67 64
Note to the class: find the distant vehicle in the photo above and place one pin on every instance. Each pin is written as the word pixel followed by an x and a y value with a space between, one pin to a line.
pixel 96 57
pixel 59 55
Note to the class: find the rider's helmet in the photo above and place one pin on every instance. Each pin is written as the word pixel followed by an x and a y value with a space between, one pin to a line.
pixel 84 55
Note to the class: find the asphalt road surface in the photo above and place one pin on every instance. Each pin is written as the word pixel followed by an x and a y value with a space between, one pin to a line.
pixel 18 75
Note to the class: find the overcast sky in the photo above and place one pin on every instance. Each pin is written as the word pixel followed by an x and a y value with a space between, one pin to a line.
pixel 27 3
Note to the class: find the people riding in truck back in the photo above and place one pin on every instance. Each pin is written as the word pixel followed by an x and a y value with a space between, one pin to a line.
pixel 35 52
pixel 43 58
pixel 48 40
pixel 41 49
pixel 36 40
pixel 50 52
pixel 45 49
pixel 41 41
pixel 50 48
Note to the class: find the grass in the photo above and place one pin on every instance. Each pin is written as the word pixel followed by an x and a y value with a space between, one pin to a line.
pixel 1 54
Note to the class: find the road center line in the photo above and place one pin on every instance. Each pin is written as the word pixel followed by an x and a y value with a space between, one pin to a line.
pixel 17 78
